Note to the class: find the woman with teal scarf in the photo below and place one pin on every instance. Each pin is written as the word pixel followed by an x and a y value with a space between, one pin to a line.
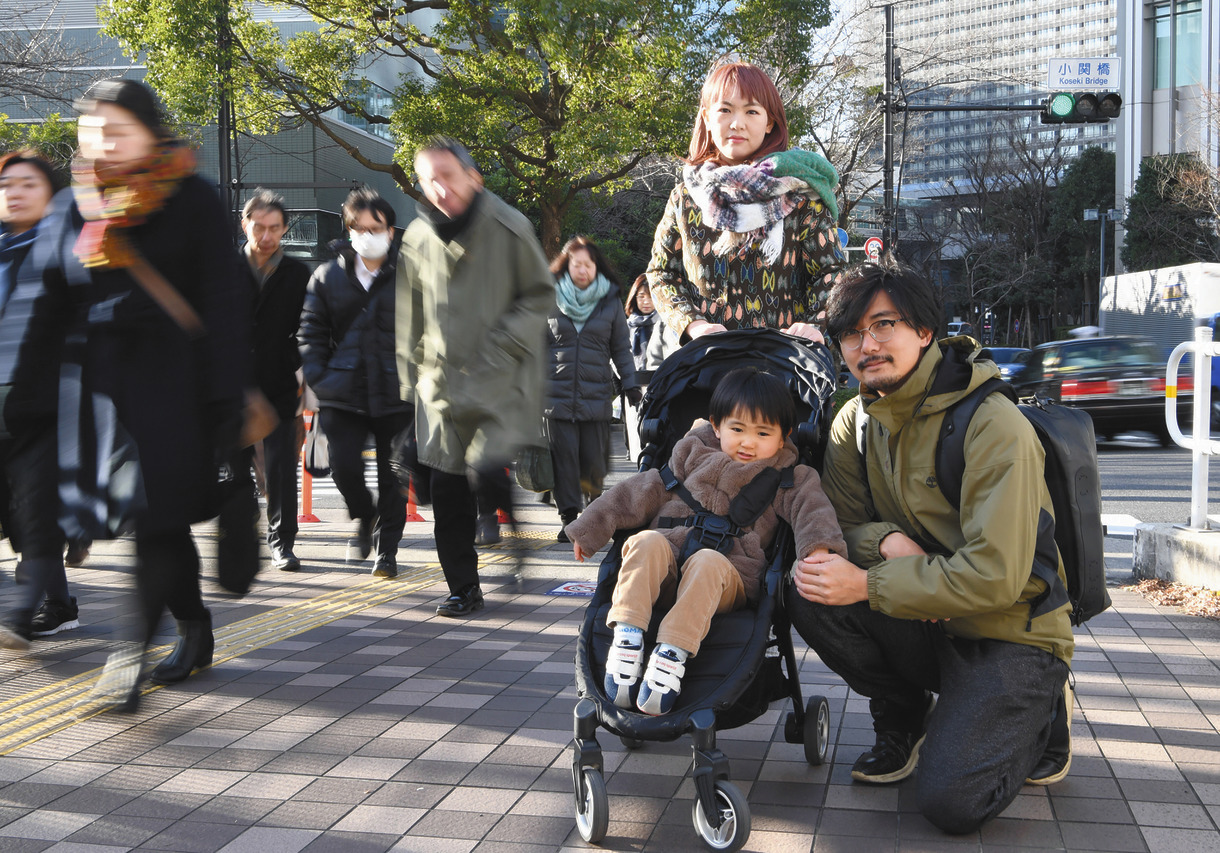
pixel 586 332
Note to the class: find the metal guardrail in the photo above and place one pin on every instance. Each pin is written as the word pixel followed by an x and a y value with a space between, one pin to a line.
pixel 1199 442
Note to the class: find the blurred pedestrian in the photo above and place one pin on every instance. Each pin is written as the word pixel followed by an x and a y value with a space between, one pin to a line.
pixel 588 331
pixel 662 345
pixel 33 322
pixel 641 320
pixel 277 291
pixel 167 329
pixel 347 351
pixel 643 327
pixel 474 291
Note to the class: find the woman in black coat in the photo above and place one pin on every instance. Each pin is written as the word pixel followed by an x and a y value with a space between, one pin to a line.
pixel 167 342
pixel 33 323
pixel 587 330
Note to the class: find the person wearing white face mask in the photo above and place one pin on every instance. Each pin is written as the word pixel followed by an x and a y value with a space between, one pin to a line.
pixel 347 353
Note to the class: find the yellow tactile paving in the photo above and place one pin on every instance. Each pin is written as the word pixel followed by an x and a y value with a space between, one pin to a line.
pixel 38 713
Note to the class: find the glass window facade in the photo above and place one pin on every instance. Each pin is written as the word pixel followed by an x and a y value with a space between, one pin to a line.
pixel 1189 47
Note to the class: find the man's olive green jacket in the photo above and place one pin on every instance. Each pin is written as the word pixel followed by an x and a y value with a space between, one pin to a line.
pixel 470 320
pixel 976 577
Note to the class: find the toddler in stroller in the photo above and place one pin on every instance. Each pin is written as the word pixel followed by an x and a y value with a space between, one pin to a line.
pixel 716 544
pixel 711 514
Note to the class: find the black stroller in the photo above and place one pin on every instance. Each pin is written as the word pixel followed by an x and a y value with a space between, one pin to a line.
pixel 747 660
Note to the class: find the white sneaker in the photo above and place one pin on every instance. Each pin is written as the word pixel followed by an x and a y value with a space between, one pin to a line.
pixel 623 666
pixel 662 682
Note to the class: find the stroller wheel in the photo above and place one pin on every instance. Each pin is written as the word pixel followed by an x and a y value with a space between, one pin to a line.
pixel 817 730
pixel 734 813
pixel 592 810
pixel 631 742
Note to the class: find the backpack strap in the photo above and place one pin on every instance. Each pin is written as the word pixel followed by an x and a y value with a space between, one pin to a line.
pixel 951 444
pixel 951 467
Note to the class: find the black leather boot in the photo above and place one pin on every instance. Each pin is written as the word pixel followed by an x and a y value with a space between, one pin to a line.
pixel 192 651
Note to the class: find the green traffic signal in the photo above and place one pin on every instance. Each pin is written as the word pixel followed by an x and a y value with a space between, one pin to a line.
pixel 1059 107
pixel 1080 107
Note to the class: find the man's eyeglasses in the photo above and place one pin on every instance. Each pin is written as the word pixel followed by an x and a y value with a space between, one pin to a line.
pixel 881 331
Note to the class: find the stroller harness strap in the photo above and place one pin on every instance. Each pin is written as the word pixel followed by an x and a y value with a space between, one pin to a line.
pixel 709 530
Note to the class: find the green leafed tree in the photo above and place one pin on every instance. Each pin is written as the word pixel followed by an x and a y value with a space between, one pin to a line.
pixel 1169 221
pixel 52 138
pixel 564 95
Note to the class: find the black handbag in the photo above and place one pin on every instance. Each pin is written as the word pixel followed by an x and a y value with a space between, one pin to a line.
pixel 237 557
pixel 534 470
pixel 101 488
pixel 404 463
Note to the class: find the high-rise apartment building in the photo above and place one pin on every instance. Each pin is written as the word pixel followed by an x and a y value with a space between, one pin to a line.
pixel 994 52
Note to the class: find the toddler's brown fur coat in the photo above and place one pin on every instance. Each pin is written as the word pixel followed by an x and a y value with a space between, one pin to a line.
pixel 715 479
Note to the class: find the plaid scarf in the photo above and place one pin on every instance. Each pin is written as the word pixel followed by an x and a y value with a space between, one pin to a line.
pixel 748 203
pixel 115 198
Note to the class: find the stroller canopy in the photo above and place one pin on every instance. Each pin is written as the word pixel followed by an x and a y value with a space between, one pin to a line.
pixel 681 389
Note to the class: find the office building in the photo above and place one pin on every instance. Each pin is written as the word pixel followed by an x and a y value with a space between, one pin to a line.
pixel 312 171
pixel 1171 81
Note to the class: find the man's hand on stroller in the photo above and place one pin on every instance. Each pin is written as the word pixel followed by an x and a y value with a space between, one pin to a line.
pixel 826 578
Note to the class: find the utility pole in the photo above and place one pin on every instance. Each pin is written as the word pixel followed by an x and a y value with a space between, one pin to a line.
pixel 224 123
pixel 1102 217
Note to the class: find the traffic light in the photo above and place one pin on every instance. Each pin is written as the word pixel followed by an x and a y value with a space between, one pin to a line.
pixel 1080 107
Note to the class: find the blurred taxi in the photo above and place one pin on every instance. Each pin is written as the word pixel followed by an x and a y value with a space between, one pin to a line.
pixel 1119 381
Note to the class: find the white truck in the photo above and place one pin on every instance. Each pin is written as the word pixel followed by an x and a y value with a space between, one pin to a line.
pixel 1165 306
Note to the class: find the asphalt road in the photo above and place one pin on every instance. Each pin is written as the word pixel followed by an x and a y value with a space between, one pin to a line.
pixel 1142 479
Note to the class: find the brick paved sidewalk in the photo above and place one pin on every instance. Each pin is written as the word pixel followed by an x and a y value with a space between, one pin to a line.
pixel 380 726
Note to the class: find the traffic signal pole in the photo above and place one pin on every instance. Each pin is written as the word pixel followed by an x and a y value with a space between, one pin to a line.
pixel 889 223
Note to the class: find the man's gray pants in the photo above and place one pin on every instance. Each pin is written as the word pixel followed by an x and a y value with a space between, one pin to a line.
pixel 994 707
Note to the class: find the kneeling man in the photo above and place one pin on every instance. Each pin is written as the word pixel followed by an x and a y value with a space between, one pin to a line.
pixel 935 600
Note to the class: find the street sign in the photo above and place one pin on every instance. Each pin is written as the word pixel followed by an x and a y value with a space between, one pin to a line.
pixel 842 238
pixel 1090 72
pixel 872 248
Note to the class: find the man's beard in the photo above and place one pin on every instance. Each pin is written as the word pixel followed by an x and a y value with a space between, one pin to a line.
pixel 880 385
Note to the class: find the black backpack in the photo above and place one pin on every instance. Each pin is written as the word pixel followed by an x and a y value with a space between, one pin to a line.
pixel 1072 478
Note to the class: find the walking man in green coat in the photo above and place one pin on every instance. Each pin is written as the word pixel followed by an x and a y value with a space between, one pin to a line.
pixel 933 600
pixel 474 291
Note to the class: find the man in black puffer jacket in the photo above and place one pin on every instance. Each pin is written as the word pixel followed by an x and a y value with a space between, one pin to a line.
pixel 347 352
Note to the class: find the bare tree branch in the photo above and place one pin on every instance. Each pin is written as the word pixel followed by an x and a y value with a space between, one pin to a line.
pixel 37 62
